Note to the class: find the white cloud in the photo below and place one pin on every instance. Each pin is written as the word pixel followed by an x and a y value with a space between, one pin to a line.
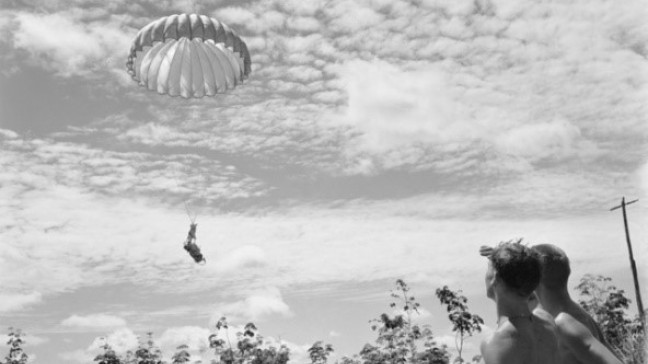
pixel 152 133
pixel 642 174
pixel 235 15
pixel 100 321
pixel 304 74
pixel 393 107
pixel 120 340
pixel 301 44
pixel 15 302
pixel 258 304
pixel 299 7
pixel 9 134
pixel 266 303
pixel 555 139
pixel 196 338
pixel 303 24
pixel 75 48
pixel 245 257
pixel 79 356
pixel 34 340
pixel 350 16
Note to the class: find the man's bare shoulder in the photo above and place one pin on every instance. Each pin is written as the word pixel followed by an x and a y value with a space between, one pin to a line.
pixel 544 317
pixel 581 342
pixel 505 345
pixel 569 326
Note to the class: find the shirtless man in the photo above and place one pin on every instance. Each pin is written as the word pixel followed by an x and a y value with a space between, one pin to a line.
pixel 521 337
pixel 580 339
pixel 534 302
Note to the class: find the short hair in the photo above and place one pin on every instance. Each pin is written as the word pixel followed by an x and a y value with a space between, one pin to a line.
pixel 518 266
pixel 555 266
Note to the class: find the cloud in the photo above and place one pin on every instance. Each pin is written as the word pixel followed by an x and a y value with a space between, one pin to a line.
pixel 98 321
pixel 266 303
pixel 34 340
pixel 642 176
pixel 76 48
pixel 8 134
pixel 79 356
pixel 18 302
pixel 120 340
pixel 393 107
pixel 258 304
pixel 349 16
pixel 555 139
pixel 235 15
pixel 303 24
pixel 196 338
pixel 246 257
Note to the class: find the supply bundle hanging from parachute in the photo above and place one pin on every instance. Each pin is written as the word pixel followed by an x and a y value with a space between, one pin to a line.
pixel 190 242
pixel 188 55
pixel 191 247
pixel 192 56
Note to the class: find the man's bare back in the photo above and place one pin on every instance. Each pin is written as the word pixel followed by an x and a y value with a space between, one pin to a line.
pixel 522 340
pixel 580 339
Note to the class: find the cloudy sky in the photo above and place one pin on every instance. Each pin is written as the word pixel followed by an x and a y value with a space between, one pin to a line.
pixel 373 140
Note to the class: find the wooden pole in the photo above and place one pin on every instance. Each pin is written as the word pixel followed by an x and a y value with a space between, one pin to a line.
pixel 633 265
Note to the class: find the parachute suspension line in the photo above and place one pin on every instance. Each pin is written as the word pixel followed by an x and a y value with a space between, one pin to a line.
pixel 192 215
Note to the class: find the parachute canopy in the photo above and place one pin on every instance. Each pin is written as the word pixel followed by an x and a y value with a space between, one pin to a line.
pixel 189 55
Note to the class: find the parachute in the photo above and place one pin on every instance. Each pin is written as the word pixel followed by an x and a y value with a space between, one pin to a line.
pixel 188 55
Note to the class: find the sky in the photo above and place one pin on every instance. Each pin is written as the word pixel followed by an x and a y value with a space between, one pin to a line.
pixel 374 140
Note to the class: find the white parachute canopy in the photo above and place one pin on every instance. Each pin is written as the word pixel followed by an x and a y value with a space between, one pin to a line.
pixel 188 55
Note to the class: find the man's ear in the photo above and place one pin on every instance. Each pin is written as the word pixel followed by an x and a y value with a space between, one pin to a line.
pixel 495 279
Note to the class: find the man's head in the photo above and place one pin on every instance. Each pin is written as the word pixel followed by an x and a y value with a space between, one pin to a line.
pixel 555 266
pixel 516 266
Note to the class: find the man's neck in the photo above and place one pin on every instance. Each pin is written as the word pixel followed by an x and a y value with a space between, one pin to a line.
pixel 512 307
pixel 554 301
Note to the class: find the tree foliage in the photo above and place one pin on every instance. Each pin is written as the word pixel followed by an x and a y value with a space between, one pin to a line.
pixel 251 347
pixel 464 323
pixel 399 339
pixel 109 356
pixel 181 355
pixel 608 306
pixel 148 353
pixel 319 352
pixel 16 353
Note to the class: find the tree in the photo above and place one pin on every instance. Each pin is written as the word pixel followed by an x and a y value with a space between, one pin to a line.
pixel 146 353
pixel 464 323
pixel 181 355
pixel 149 353
pixel 271 355
pixel 16 354
pixel 108 356
pixel 251 347
pixel 608 305
pixel 320 352
pixel 399 339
